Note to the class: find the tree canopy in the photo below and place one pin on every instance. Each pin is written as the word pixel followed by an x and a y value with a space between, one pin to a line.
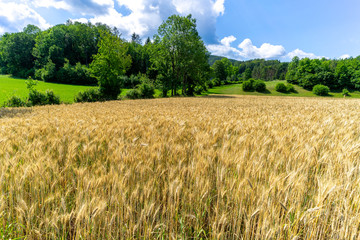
pixel 180 55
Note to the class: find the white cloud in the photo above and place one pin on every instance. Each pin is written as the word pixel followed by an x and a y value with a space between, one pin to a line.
pixel 224 51
pixel 226 41
pixel 344 56
pixel 52 3
pixel 266 50
pixel 219 7
pixel 17 16
pixel 146 15
pixel 247 50
pixel 301 54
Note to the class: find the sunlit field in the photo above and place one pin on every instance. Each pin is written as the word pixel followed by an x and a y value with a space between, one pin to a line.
pixel 241 167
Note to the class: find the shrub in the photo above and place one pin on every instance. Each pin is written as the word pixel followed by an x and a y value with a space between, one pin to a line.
pixel 51 98
pixel 247 86
pixel 78 74
pixel 198 90
pixel 133 94
pixel 259 86
pixel 345 92
pixel 216 82
pixel 146 88
pixel 321 90
pixel 210 84
pixel 280 87
pixel 290 88
pixel 37 98
pixel 89 95
pixel 15 101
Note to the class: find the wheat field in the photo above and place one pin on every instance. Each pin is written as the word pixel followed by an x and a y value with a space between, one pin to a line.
pixel 183 168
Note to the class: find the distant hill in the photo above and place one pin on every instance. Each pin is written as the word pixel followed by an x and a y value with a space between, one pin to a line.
pixel 214 58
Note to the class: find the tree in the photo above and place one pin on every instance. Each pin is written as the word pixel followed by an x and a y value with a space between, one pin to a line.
pixel 219 70
pixel 180 55
pixel 109 63
pixel 17 51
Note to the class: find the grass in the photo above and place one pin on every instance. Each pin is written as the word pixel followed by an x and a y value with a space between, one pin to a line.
pixel 236 89
pixel 14 86
pixel 10 86
pixel 216 167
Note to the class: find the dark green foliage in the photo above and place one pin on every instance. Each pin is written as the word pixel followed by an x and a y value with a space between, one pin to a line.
pixel 216 82
pixel 259 86
pixel 336 74
pixel 248 86
pixel 321 90
pixel 89 95
pixel 51 98
pixel 39 98
pixel 146 89
pixel 16 52
pixel 345 92
pixel 199 89
pixel 219 70
pixel 130 82
pixel 78 75
pixel 15 101
pixel 210 84
pixel 281 87
pixel 290 88
pixel 109 63
pixel 179 54
pixel 133 94
pixel 247 73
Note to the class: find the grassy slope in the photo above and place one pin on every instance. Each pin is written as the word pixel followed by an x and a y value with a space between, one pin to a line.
pixel 13 86
pixel 236 90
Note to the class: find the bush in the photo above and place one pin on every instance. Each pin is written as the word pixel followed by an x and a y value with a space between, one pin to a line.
pixel 198 90
pixel 259 86
pixel 321 90
pixel 210 84
pixel 345 92
pixel 89 95
pixel 216 82
pixel 39 98
pixel 15 101
pixel 290 88
pixel 146 88
pixel 78 74
pixel 280 87
pixel 51 98
pixel 133 94
pixel 130 82
pixel 247 86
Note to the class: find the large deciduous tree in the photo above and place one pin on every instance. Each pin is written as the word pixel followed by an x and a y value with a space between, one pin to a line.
pixel 180 55
pixel 16 51
pixel 109 63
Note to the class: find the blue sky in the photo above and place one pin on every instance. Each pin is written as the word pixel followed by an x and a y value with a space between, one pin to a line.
pixel 238 29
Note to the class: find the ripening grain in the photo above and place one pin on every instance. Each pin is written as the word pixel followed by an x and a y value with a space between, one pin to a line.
pixel 216 168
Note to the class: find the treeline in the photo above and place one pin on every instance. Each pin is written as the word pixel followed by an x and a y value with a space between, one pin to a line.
pixel 176 62
pixel 335 74
pixel 229 71
pixel 62 53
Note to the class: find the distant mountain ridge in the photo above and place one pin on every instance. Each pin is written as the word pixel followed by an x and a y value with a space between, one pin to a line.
pixel 214 58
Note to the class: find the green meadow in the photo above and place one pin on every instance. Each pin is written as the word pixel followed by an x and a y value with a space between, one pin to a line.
pixel 10 86
pixel 235 89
